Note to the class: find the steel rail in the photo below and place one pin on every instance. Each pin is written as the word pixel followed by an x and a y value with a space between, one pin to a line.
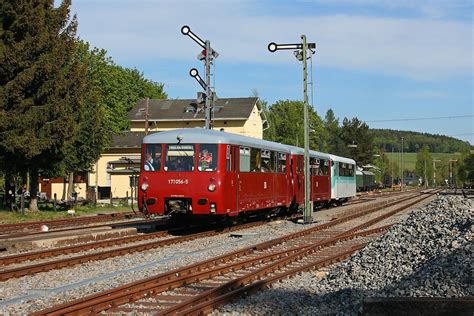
pixel 64 221
pixel 47 266
pixel 138 289
pixel 204 301
pixel 42 254
pixel 67 262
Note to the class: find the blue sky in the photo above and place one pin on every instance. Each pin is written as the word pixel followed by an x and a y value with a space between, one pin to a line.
pixel 375 59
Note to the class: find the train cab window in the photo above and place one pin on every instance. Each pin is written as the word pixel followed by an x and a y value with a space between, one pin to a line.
pixel 281 163
pixel 244 159
pixel 179 157
pixel 207 157
pixel 152 158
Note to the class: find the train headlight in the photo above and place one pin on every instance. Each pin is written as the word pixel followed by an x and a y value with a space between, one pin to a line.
pixel 211 187
pixel 144 186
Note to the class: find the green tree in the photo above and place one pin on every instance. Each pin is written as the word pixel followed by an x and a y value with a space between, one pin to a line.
pixel 357 132
pixel 334 144
pixel 112 92
pixel 41 83
pixel 270 132
pixel 424 165
pixel 466 170
pixel 118 88
pixel 288 121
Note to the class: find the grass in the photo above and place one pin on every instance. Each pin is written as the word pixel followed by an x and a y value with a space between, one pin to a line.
pixel 47 213
pixel 409 159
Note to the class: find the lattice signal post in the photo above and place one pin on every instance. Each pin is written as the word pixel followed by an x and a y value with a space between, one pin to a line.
pixel 300 52
pixel 208 55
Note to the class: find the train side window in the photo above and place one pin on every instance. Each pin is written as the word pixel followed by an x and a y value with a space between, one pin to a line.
pixel 313 167
pixel 255 159
pixel 265 164
pixel 281 163
pixel 351 170
pixel 244 159
pixel 324 167
pixel 299 164
pixel 342 169
pixel 272 162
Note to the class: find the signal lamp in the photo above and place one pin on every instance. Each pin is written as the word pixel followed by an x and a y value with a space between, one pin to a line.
pixel 193 72
pixel 185 30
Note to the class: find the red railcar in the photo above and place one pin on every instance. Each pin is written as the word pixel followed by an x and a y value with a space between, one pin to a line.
pixel 202 172
pixel 320 170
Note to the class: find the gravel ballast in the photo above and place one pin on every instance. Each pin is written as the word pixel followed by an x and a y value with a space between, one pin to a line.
pixel 32 293
pixel 427 255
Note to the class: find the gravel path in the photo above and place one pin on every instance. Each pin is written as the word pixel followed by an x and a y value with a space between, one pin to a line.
pixel 427 255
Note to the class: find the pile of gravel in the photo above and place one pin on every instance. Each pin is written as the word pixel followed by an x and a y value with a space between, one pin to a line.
pixel 427 255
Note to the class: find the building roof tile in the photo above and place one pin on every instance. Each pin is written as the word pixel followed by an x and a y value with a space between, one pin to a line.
pixel 185 110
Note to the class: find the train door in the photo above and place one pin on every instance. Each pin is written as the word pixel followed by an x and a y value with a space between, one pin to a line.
pixel 231 185
pixel 334 180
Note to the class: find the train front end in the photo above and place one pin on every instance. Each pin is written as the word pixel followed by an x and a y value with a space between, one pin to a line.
pixel 181 176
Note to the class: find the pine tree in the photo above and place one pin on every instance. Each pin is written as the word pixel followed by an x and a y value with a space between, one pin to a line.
pixel 335 145
pixel 41 85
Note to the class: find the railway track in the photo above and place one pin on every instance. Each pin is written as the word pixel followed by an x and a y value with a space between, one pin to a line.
pixel 62 223
pixel 9 273
pixel 29 269
pixel 115 224
pixel 200 287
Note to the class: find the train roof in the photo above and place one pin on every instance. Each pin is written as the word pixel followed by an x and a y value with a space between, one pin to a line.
pixel 318 154
pixel 342 159
pixel 295 150
pixel 205 136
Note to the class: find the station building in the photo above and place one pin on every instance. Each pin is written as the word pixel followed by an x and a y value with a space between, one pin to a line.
pixel 114 173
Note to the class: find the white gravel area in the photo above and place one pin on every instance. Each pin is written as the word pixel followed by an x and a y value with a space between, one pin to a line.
pixel 429 254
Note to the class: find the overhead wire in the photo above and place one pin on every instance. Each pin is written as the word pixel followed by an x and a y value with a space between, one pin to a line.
pixel 420 118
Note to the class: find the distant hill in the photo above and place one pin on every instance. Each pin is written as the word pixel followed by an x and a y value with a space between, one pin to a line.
pixel 388 138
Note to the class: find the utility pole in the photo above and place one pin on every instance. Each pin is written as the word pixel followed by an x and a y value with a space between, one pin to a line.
pixel 301 54
pixel 391 164
pixel 434 171
pixel 146 116
pixel 451 171
pixel 208 55
pixel 403 176
pixel 209 97
pixel 308 213
pixel 426 179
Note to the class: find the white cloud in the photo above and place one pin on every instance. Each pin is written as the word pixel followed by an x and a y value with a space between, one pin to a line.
pixel 423 48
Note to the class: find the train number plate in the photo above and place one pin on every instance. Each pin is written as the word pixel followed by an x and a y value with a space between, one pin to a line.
pixel 178 181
